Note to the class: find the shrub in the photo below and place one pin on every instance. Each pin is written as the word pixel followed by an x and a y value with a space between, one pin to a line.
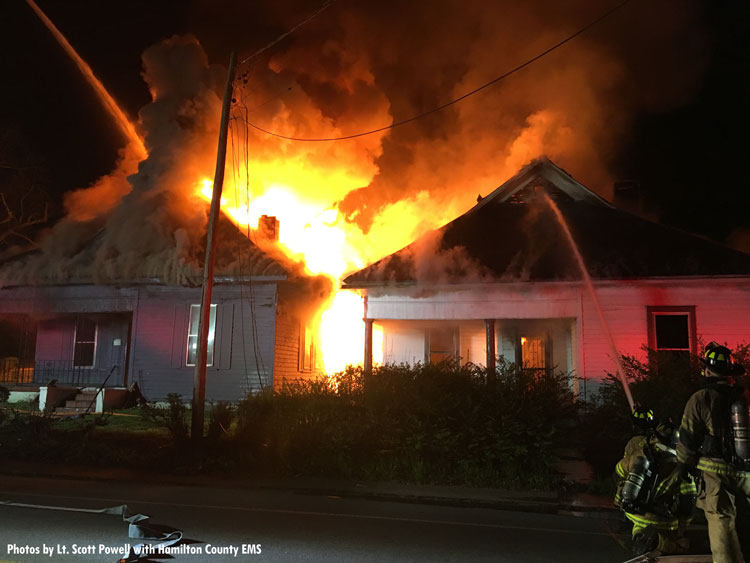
pixel 663 383
pixel 222 417
pixel 427 423
pixel 4 394
pixel 173 417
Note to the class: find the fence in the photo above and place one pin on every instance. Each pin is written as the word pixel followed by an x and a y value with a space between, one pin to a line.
pixel 60 372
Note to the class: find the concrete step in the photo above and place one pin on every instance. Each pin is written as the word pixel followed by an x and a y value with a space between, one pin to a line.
pixel 76 403
pixel 84 400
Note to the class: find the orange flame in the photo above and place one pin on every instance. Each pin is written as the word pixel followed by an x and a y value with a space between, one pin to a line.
pixel 311 229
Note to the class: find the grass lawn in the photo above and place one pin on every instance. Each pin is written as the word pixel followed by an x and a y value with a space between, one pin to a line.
pixel 118 439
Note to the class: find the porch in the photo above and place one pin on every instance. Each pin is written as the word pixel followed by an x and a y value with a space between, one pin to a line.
pixel 58 372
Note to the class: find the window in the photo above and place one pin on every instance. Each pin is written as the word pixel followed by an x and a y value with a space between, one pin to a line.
pixel 84 349
pixel 192 340
pixel 442 344
pixel 671 333
pixel 535 352
pixel 306 349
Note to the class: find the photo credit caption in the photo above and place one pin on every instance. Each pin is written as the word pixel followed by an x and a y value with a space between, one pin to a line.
pixel 122 550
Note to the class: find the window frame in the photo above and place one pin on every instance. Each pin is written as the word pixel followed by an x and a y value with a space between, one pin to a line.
pixel 684 310
pixel 95 342
pixel 306 359
pixel 543 335
pixel 213 312
pixel 429 337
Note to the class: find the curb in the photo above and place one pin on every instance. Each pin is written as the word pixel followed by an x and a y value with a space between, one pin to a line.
pixel 544 503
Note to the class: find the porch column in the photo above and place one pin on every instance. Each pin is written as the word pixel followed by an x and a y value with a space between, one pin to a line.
pixel 368 345
pixel 490 330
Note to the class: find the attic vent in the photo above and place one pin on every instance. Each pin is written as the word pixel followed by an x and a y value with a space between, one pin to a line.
pixel 534 192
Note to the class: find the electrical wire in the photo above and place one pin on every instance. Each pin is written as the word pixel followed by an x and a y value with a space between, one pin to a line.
pixel 235 172
pixel 455 100
pixel 322 8
pixel 241 106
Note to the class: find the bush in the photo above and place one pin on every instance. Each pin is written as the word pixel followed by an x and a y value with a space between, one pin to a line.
pixel 663 383
pixel 4 394
pixel 439 423
pixel 173 417
pixel 222 417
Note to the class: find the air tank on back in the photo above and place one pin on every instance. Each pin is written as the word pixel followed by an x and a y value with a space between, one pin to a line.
pixel 635 480
pixel 741 429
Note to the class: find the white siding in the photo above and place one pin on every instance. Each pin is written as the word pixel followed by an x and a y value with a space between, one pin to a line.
pixel 403 344
pixel 473 342
pixel 580 341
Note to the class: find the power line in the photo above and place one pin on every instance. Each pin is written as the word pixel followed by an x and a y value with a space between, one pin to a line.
pixel 322 8
pixel 455 100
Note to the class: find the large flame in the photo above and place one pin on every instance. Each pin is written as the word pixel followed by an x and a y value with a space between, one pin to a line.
pixel 315 232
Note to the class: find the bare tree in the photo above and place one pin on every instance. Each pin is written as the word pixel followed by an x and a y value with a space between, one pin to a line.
pixel 24 204
pixel 20 219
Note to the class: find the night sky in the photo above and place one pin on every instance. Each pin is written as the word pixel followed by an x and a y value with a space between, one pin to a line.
pixel 688 153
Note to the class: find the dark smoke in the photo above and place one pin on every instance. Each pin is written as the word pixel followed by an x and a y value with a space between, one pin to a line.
pixel 574 105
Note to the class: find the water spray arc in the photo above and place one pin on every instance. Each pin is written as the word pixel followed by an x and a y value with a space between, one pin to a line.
pixel 590 286
pixel 107 100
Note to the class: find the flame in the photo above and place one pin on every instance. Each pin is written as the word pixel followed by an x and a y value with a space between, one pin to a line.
pixel 313 230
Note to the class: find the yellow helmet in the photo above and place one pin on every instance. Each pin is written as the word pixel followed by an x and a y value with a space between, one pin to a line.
pixel 718 359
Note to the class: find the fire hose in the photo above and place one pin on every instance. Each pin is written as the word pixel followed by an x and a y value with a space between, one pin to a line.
pixel 138 528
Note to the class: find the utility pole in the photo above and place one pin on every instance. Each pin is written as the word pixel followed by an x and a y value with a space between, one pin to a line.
pixel 199 378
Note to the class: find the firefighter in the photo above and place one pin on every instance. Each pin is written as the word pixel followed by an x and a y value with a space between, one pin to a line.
pixel 714 439
pixel 660 513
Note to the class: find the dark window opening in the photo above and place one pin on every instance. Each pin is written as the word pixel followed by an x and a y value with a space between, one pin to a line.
pixel 84 351
pixel 671 336
pixel 672 332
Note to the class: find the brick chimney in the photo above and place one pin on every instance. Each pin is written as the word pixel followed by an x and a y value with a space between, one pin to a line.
pixel 268 228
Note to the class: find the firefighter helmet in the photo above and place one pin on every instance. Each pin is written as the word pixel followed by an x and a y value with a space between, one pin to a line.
pixel 718 360
pixel 643 418
pixel 667 434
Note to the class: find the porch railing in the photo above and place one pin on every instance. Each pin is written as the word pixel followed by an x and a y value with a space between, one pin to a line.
pixel 62 372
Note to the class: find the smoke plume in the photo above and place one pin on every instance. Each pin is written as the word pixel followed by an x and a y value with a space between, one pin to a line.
pixel 574 105
pixel 357 67
pixel 146 224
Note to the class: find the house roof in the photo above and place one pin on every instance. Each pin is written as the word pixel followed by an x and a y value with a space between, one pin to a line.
pixel 89 257
pixel 513 235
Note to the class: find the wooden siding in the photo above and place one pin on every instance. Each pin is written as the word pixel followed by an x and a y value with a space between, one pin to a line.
pixel 244 338
pixel 160 342
pixel 288 362
pixel 287 357
pixel 54 340
pixel 722 307
pixel 472 337
pixel 403 343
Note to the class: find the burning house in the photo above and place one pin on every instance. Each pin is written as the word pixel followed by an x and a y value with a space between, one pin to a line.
pixel 112 293
pixel 74 328
pixel 502 279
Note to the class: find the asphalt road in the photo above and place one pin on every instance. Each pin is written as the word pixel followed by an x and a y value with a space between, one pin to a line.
pixel 284 526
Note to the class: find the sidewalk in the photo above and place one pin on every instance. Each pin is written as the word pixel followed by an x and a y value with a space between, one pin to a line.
pixel 525 501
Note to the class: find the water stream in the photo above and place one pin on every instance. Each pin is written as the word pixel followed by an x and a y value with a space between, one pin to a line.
pixel 594 297
pixel 107 100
